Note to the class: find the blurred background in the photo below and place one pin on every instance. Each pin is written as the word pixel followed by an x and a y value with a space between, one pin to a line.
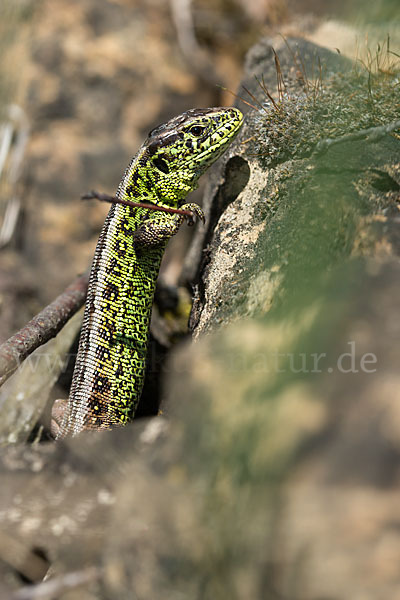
pixel 81 84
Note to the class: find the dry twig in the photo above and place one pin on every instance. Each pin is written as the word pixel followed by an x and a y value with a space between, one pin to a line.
pixel 51 319
pixel 42 328
pixel 53 588
pixel 93 195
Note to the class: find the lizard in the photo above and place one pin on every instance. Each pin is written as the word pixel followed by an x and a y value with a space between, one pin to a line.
pixel 110 365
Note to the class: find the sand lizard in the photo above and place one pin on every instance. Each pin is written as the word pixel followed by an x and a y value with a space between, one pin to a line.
pixel 110 366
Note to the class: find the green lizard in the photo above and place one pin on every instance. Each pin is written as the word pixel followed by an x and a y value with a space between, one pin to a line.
pixel 110 366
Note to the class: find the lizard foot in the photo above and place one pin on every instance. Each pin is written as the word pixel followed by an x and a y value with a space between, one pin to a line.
pixel 196 211
pixel 57 416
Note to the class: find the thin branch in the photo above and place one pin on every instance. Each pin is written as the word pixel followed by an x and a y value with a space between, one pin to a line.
pixel 42 328
pixel 374 133
pixel 93 195
pixel 22 558
pixel 52 319
pixel 195 55
pixel 55 587
pixel 14 136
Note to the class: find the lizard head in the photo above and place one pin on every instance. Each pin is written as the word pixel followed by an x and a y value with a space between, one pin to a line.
pixel 181 150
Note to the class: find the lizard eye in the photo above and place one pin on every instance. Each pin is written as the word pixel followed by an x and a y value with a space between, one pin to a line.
pixel 196 130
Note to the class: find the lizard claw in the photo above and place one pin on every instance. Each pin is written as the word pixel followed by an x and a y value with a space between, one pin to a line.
pixel 196 211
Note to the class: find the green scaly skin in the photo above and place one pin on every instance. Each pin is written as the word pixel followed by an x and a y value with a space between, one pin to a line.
pixel 110 366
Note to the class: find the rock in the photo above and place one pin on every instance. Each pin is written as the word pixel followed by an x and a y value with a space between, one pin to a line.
pixel 293 197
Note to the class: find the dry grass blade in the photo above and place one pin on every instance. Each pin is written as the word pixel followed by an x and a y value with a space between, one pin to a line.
pixel 265 90
pixel 301 72
pixel 238 97
pixel 304 74
pixel 252 96
pixel 279 77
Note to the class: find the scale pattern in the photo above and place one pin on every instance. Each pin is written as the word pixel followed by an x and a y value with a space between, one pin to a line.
pixel 111 360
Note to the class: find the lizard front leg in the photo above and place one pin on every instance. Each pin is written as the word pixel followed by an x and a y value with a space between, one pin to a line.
pixel 159 228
